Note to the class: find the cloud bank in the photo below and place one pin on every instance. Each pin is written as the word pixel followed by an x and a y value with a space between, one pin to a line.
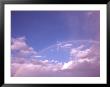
pixel 26 63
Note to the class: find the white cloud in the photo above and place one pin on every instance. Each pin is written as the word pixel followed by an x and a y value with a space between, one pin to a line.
pixel 20 48
pixel 86 63
pixel 80 47
pixel 83 54
pixel 18 43
pixel 67 65
pixel 84 60
pixel 34 67
pixel 76 51
pixel 90 52
pixel 37 56
pixel 66 45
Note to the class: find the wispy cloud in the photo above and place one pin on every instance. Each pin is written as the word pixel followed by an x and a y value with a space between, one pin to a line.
pixel 66 46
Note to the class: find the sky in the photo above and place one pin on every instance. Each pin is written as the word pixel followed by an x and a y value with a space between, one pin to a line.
pixel 48 27
pixel 55 43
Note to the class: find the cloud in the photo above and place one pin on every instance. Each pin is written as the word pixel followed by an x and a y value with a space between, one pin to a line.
pixel 67 65
pixel 75 51
pixel 91 52
pixel 66 46
pixel 18 43
pixel 83 54
pixel 20 48
pixel 34 68
pixel 46 69
pixel 37 56
pixel 84 62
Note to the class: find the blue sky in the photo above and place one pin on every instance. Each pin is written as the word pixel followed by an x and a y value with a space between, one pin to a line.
pixel 45 28
pixel 46 42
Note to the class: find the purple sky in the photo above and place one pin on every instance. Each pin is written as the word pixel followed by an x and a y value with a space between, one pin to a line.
pixel 34 31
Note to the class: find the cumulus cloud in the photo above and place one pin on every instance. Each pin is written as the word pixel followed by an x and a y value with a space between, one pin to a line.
pixel 18 43
pixel 20 48
pixel 83 62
